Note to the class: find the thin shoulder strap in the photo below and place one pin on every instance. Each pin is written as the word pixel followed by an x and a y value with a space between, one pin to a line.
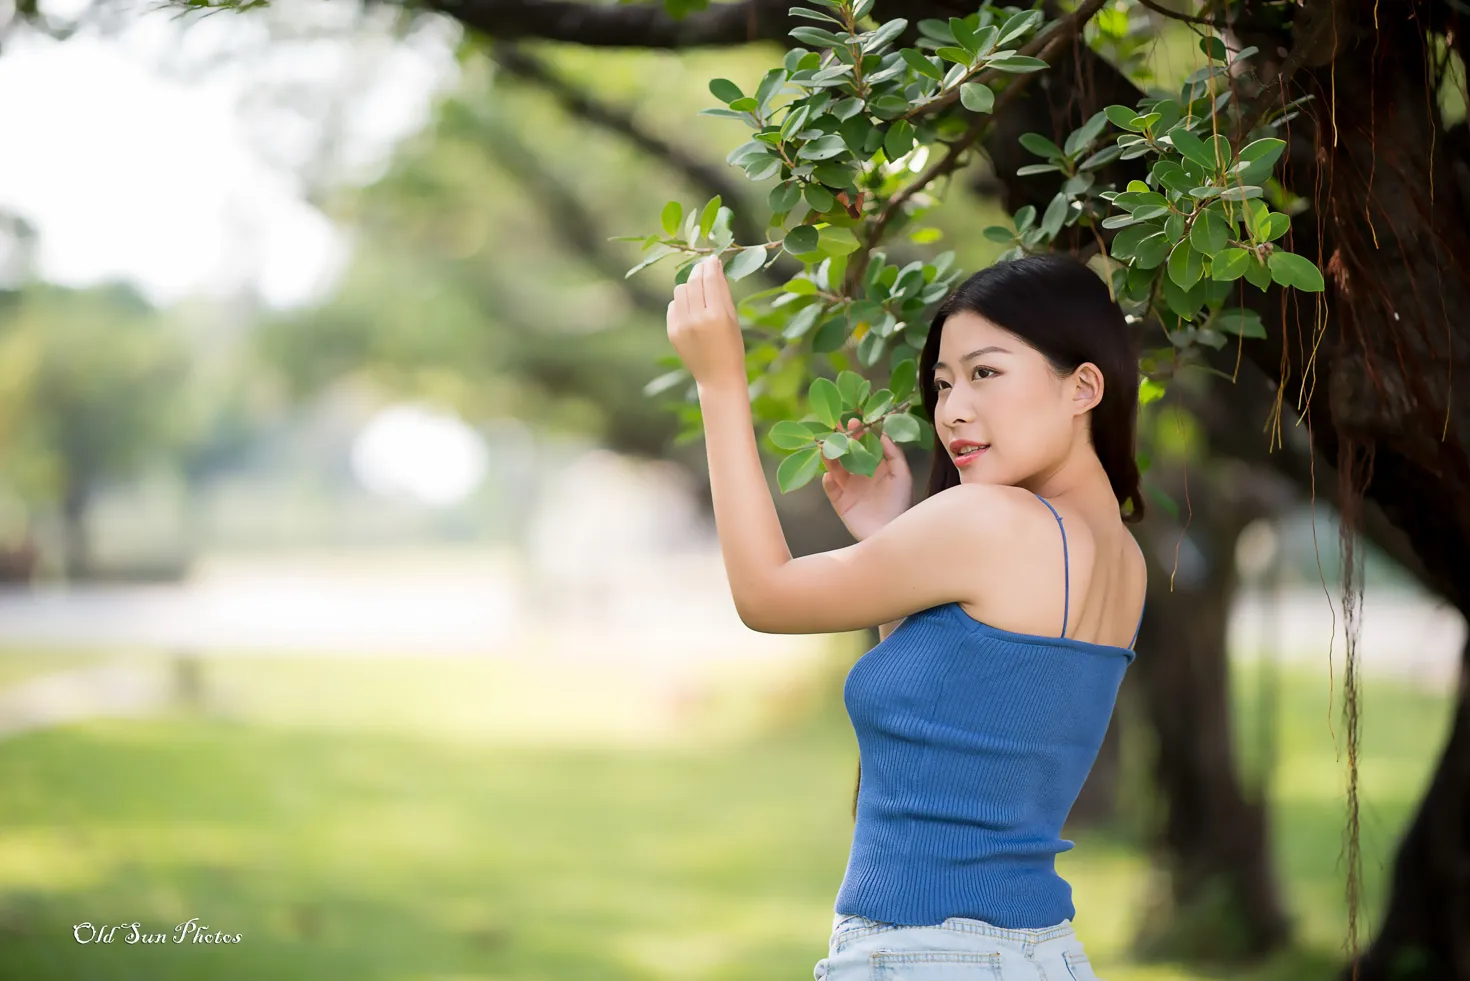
pixel 1066 572
pixel 1140 623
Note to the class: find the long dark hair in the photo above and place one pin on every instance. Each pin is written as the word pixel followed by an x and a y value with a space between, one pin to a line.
pixel 1064 310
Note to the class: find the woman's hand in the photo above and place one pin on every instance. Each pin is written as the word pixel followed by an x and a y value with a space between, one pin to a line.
pixel 866 504
pixel 704 328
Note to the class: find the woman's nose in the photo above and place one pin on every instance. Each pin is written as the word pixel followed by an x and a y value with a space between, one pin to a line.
pixel 954 412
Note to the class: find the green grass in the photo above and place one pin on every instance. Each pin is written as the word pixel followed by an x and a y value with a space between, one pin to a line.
pixel 383 819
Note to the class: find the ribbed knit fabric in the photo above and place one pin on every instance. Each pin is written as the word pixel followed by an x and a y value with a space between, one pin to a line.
pixel 974 744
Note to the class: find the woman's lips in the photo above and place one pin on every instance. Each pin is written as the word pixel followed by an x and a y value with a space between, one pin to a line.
pixel 969 458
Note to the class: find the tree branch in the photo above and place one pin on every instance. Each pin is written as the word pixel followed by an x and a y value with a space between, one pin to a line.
pixel 1045 47
pixel 711 180
pixel 570 218
pixel 642 25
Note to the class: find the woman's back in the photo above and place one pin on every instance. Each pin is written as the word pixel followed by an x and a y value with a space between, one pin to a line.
pixel 1070 572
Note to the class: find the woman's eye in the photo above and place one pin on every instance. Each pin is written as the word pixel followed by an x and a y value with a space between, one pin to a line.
pixel 991 371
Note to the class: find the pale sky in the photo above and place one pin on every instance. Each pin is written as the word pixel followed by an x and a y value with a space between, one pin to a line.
pixel 188 185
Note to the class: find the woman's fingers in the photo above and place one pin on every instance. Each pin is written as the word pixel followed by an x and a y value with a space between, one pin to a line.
pixel 695 286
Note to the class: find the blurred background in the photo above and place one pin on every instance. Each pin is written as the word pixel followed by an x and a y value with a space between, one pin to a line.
pixel 356 599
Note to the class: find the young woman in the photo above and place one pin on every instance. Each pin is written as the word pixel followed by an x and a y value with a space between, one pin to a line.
pixel 1019 590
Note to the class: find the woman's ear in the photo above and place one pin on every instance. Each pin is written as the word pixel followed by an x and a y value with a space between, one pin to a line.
pixel 1087 387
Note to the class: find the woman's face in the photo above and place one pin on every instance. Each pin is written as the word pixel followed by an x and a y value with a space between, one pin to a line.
pixel 993 388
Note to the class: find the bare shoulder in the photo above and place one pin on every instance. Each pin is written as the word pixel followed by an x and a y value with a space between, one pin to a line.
pixel 991 511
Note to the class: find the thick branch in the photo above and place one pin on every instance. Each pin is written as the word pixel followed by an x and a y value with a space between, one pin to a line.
pixel 570 218
pixel 642 25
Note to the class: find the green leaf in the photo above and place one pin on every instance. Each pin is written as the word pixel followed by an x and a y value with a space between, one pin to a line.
pixel 788 435
pixel 996 233
pixel 720 233
pixel 1151 251
pixel 862 460
pixel 816 36
pixel 826 401
pixel 1193 148
pixel 1056 213
pixel 1040 145
pixel 725 90
pixel 1123 118
pixel 1029 169
pixel 823 148
pixel 1258 274
pixel 977 97
pixel 830 336
pixel 819 198
pixel 770 84
pixel 802 321
pixel 960 29
pixel 903 378
pixel 801 239
pixel 1258 158
pixel 798 469
pixel 920 64
pixel 849 385
pixel 746 262
pixel 835 240
pixel 1246 323
pixel 784 196
pixel 835 445
pixel 1229 264
pixel 1125 243
pixel 1016 64
pixel 1018 25
pixel 1213 48
pixel 1209 234
pixel 665 382
pixel 1290 269
pixel 871 348
pixel 723 113
pixel 795 120
pixel 1280 225
pixel 902 428
pixel 650 259
pixel 1184 303
pixel 959 56
pixel 1185 265
pixel 707 216
pixel 878 403
pixel 672 215
pixel 900 139
pixel 1243 193
pixel 937 30
pixel 815 15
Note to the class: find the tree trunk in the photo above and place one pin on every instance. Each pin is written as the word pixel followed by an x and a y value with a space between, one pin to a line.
pixel 1224 903
pixel 1424 932
pixel 76 551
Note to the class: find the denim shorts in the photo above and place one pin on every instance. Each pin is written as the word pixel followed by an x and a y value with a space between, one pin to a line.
pixel 959 949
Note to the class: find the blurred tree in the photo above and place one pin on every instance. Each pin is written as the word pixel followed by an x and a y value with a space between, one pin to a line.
pixel 90 392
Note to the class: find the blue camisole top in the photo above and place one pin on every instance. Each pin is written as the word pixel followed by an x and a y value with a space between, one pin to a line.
pixel 974 743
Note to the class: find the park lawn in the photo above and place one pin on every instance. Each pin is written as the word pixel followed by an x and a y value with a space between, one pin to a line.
pixel 345 833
